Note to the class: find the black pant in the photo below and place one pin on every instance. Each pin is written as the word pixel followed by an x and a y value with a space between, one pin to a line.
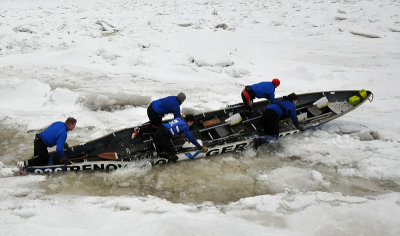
pixel 154 117
pixel 40 153
pixel 270 121
pixel 247 101
pixel 248 96
pixel 164 144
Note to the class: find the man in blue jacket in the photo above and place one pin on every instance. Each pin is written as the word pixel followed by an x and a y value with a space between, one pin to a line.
pixel 260 90
pixel 163 136
pixel 160 107
pixel 55 134
pixel 274 113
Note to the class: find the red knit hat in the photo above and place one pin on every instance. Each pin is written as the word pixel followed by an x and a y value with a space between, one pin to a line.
pixel 276 82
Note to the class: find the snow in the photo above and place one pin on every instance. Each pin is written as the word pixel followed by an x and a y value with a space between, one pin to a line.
pixel 103 62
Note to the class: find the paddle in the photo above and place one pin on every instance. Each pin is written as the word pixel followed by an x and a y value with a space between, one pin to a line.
pixel 79 158
pixel 108 155
pixel 104 155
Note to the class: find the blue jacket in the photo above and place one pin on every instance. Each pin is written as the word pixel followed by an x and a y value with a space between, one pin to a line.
pixel 56 134
pixel 264 90
pixel 167 105
pixel 289 107
pixel 178 125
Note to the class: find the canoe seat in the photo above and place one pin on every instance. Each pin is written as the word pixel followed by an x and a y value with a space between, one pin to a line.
pixel 222 131
pixel 314 110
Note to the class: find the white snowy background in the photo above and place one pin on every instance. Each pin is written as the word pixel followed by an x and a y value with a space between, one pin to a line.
pixel 103 62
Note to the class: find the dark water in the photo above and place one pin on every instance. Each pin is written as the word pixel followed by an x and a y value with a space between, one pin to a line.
pixel 220 179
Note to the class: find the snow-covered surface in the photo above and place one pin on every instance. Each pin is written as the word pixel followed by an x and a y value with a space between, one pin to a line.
pixel 103 62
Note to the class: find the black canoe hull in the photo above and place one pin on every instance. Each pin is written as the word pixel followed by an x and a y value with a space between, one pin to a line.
pixel 219 136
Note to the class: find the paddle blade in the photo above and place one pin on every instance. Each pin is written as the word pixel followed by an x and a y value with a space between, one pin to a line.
pixel 79 158
pixel 108 155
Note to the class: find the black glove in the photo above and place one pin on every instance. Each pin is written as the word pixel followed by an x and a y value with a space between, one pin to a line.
pixel 174 158
pixel 302 128
pixel 66 146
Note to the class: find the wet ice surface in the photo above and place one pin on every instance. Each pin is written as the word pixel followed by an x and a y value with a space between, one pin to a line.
pixel 103 62
pixel 272 190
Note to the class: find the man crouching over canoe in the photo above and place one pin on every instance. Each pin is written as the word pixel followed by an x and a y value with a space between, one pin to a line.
pixel 55 134
pixel 163 135
pixel 272 115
